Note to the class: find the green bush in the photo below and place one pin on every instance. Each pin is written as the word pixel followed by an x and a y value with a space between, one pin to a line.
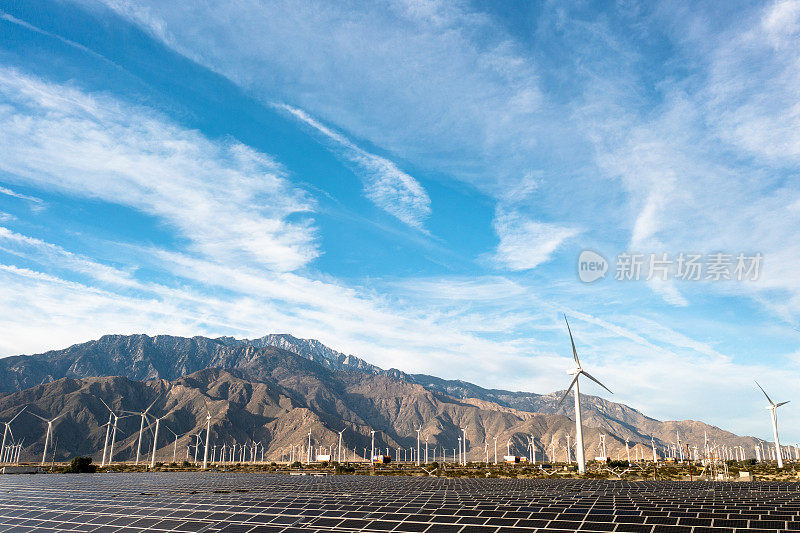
pixel 81 465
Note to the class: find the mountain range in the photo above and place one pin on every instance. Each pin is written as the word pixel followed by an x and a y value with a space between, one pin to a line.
pixel 277 388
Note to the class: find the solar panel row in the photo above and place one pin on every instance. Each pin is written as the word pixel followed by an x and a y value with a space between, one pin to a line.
pixel 210 502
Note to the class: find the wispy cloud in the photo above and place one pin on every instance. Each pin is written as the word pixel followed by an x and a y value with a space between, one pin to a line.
pixel 226 198
pixel 526 243
pixel 440 84
pixel 34 200
pixel 385 184
pixel 49 255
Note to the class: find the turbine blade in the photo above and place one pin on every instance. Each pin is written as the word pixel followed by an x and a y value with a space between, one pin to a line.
pixel 16 415
pixel 588 375
pixel 151 405
pixel 59 416
pixel 765 394
pixel 782 403
pixel 568 389
pixel 39 417
pixel 574 351
pixel 107 407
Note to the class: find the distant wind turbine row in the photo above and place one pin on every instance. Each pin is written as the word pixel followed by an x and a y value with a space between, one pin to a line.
pixel 675 450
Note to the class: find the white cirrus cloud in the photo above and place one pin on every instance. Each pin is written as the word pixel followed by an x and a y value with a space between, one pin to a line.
pixel 438 82
pixel 385 184
pixel 526 243
pixel 227 199
pixel 13 194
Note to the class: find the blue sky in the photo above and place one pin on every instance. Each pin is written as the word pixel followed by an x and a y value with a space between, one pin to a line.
pixel 413 182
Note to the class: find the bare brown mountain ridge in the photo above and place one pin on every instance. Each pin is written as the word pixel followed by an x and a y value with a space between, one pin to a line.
pixel 278 388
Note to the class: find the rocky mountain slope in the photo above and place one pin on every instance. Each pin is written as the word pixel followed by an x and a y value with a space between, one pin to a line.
pixel 279 409
pixel 307 386
pixel 311 349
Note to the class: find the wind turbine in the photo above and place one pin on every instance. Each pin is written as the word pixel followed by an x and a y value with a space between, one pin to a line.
pixel 464 457
pixel 340 445
pixel 372 453
pixel 174 446
pixel 155 443
pixel 8 429
pixel 105 442
pixel 113 434
pixel 143 415
pixel 772 407
pixel 48 435
pixel 419 429
pixel 577 371
pixel 208 436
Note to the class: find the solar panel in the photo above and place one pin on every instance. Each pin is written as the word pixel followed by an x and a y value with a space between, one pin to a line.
pixel 209 502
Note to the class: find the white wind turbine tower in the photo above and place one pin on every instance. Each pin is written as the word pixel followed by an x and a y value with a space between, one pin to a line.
pixel 372 453
pixel 155 445
pixel 577 371
pixel 340 445
pixel 772 407
pixel 143 415
pixel 419 430
pixel 175 446
pixel 48 435
pixel 8 428
pixel 464 457
pixel 495 450
pixel 113 434
pixel 208 436
pixel 569 449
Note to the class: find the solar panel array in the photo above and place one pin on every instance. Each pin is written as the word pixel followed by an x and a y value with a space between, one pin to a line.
pixel 210 502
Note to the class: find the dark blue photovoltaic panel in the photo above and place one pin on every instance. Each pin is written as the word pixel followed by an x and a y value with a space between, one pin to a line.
pixel 252 503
